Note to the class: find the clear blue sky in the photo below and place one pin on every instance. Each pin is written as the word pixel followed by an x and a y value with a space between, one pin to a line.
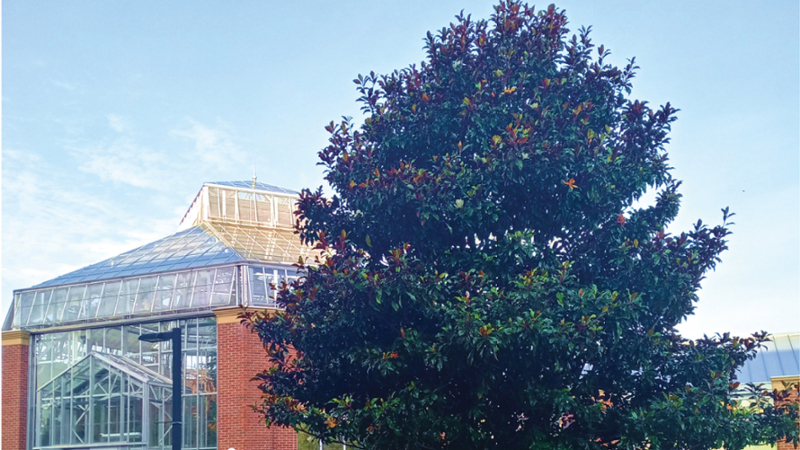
pixel 115 113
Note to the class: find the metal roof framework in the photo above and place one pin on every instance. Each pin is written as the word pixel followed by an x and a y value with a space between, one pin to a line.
pixel 103 399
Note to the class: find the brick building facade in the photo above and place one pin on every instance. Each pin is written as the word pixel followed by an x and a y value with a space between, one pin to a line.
pixel 77 375
pixel 16 351
pixel 241 356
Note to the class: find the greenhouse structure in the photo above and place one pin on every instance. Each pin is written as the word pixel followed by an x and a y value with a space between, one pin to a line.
pixel 77 376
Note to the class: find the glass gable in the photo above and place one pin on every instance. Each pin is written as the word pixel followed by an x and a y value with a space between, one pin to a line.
pixel 103 387
pixel 103 399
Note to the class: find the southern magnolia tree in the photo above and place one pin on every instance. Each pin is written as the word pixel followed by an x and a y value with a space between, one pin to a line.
pixel 485 279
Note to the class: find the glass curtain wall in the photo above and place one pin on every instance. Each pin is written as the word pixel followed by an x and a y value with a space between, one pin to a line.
pixel 110 404
pixel 102 399
pixel 263 283
pixel 250 207
pixel 128 297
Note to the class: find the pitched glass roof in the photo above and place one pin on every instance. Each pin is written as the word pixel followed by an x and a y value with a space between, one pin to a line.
pixel 141 373
pixel 267 245
pixel 258 186
pixel 192 269
pixel 780 358
pixel 186 249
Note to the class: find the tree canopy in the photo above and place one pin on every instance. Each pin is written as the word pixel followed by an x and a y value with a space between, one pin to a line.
pixel 486 275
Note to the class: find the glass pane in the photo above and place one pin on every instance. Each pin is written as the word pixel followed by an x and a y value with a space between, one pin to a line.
pixel 163 296
pixel 109 299
pixel 23 304
pixel 245 207
pixel 74 303
pixel 56 307
pixel 207 371
pixel 61 353
pixel 58 420
pixel 155 424
pixel 131 343
pixel 224 275
pixel 209 413
pixel 145 294
pixel 213 202
pixel 263 208
pixel 39 307
pixel 92 301
pixel 113 340
pixel 115 413
pixel 285 211
pixel 223 282
pixel 94 341
pixel 230 203
pixel 190 421
pixel 258 286
pixel 100 418
pixel 43 349
pixel 183 290
pixel 80 377
pixel 127 296
pixel 151 350
pixel 80 414
pixel 202 288
pixel 77 345
pixel 135 406
pixel 273 280
pixel 45 423
pixel 43 374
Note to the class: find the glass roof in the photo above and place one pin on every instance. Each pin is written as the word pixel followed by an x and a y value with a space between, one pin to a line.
pixel 125 365
pixel 258 186
pixel 186 249
pixel 267 245
pixel 230 223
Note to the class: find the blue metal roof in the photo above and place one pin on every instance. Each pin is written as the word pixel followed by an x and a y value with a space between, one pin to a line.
pixel 780 358
pixel 259 186
pixel 186 249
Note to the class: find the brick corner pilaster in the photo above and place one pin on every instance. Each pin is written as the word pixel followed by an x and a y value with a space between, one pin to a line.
pixel 240 357
pixel 16 351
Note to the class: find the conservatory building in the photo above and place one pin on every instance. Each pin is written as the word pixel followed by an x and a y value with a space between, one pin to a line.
pixel 77 376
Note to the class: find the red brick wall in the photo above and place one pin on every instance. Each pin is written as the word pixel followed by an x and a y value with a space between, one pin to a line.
pixel 783 445
pixel 240 357
pixel 15 397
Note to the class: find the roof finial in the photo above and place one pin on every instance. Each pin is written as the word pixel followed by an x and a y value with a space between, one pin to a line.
pixel 254 174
